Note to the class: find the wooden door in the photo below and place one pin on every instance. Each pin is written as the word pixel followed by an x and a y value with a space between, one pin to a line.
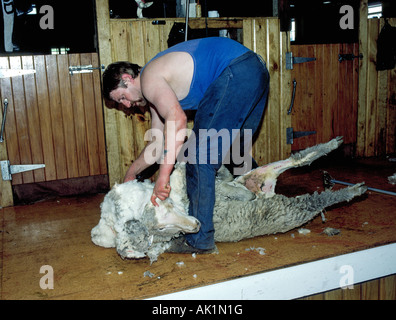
pixel 54 118
pixel 326 94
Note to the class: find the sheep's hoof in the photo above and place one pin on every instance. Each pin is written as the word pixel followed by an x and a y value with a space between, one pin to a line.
pixel 180 245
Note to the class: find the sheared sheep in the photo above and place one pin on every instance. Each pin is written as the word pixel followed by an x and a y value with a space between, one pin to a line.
pixel 245 207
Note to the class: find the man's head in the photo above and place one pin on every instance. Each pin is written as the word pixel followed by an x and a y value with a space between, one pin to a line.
pixel 121 83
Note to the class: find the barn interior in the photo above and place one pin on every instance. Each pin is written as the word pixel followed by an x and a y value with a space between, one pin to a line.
pixel 328 78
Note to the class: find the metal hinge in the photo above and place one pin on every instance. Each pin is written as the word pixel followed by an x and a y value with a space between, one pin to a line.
pixel 84 69
pixel 290 134
pixel 8 170
pixel 290 60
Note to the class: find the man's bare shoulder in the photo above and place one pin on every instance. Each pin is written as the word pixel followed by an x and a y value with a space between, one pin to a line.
pixel 169 62
pixel 175 68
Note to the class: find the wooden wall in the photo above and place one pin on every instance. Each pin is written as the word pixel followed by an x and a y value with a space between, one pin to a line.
pixel 54 118
pixel 378 289
pixel 138 40
pixel 376 133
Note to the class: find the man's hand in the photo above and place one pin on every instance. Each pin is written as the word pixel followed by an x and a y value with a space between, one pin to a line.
pixel 161 190
pixel 129 176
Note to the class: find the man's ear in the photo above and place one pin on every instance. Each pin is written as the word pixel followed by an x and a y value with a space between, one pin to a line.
pixel 127 78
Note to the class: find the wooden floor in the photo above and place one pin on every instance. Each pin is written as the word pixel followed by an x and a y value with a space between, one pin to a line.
pixel 57 233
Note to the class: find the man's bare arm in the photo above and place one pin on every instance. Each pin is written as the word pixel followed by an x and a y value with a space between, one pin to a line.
pixel 146 157
pixel 157 90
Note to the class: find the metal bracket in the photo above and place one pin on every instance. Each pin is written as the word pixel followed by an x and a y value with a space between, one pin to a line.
pixel 291 135
pixel 290 60
pixel 8 170
pixel 84 69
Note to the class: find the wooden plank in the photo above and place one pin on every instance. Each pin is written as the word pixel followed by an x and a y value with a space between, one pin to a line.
pixel 285 95
pixel 6 198
pixel 374 128
pixel 261 147
pixel 110 115
pixel 56 117
pixel 387 290
pixel 352 294
pixel 33 118
pixel 355 95
pixel 311 88
pixel 391 113
pixel 90 117
pixel 370 290
pixel 44 117
pixel 215 23
pixel 372 89
pixel 137 41
pixel 273 50
pixel 18 146
pixel 79 120
pixel 152 40
pixel 249 34
pixel 362 100
pixel 68 116
pixel 120 39
pixel 10 131
pixel 99 115
pixel 120 45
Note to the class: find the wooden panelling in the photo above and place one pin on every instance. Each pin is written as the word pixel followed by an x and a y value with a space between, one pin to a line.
pixel 378 289
pixel 54 118
pixel 377 95
pixel 326 94
pixel 138 40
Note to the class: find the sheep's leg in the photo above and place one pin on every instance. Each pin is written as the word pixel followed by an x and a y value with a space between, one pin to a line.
pixel 263 179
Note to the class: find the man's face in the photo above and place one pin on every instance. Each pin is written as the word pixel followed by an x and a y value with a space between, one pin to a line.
pixel 131 96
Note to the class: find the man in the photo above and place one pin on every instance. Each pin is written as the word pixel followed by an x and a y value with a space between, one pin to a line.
pixel 227 85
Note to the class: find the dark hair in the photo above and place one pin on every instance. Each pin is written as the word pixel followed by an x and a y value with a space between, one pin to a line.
pixel 112 75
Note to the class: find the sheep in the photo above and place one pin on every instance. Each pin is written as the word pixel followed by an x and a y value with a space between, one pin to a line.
pixel 245 207
pixel 392 179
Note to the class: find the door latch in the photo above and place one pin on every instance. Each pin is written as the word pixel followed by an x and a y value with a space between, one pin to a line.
pixel 290 60
pixel 293 96
pixel 84 69
pixel 4 120
pixel 349 56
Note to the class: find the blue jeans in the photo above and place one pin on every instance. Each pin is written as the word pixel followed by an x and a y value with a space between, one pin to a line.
pixel 235 100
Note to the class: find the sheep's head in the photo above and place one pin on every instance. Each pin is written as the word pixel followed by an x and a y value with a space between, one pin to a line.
pixel 151 234
pixel 131 223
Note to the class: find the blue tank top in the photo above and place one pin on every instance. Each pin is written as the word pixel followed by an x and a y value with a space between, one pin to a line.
pixel 211 56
